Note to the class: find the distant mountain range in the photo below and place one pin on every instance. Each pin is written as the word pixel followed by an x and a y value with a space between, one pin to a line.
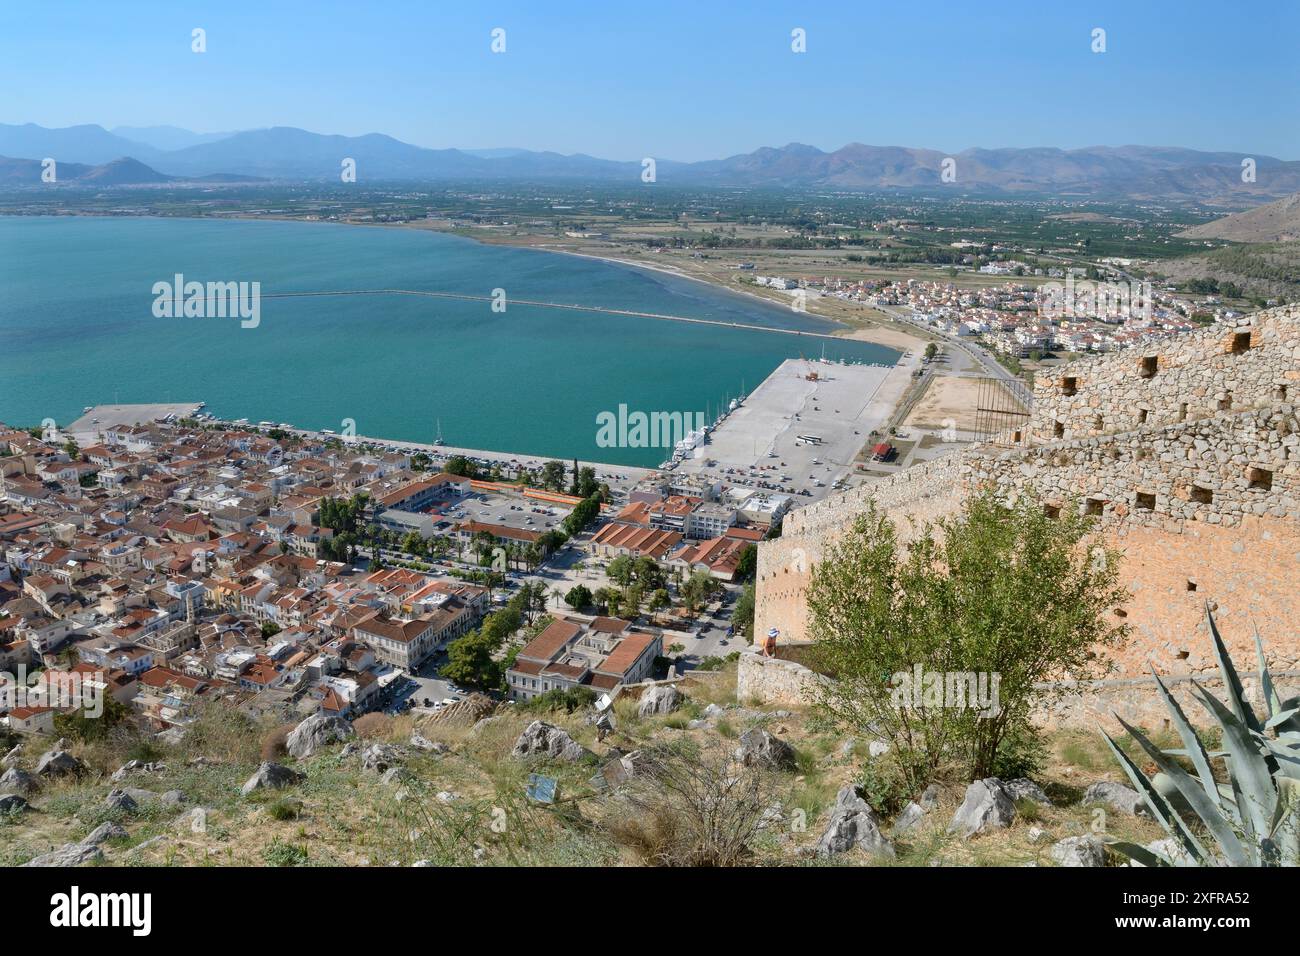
pixel 117 172
pixel 287 153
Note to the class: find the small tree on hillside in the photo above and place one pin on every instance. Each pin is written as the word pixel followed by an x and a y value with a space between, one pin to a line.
pixel 1010 593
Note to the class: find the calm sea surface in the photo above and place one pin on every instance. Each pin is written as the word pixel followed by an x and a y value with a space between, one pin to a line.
pixel 77 328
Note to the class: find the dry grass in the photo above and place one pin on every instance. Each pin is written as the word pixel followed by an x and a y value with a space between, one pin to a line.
pixel 468 806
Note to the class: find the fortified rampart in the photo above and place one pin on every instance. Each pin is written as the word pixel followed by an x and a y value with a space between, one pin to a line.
pixel 1173 380
pixel 1201 495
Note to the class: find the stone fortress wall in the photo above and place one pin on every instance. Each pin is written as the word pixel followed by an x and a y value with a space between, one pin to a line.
pixel 1193 473
pixel 1173 380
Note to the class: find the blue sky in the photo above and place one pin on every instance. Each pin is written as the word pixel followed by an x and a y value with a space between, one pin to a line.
pixel 686 81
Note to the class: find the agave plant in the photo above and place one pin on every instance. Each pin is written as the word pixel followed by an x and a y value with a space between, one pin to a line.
pixel 1253 818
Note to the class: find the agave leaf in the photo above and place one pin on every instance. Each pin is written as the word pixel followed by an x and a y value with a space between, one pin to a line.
pixel 1247 767
pixel 1205 806
pixel 1181 752
pixel 1281 717
pixel 1285 833
pixel 1231 683
pixel 1292 725
pixel 1191 743
pixel 1137 852
pixel 1243 819
pixel 1160 809
pixel 1288 762
pixel 1271 700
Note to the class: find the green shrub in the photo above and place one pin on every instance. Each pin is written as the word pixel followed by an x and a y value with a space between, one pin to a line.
pixel 279 853
pixel 884 787
pixel 285 808
pixel 568 700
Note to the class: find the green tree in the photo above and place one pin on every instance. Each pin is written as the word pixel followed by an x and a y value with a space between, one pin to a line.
pixel 552 476
pixel 1010 593
pixel 742 616
pixel 697 590
pixel 579 596
pixel 583 513
pixel 747 563
pixel 87 726
pixel 633 598
pixel 659 601
pixel 470 661
pixel 648 573
pixel 461 466
pixel 620 570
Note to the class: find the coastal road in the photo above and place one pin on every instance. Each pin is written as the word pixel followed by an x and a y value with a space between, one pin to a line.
pixel 988 362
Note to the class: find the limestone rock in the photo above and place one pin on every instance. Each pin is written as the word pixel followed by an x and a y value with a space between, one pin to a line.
pixel 121 800
pixel 541 738
pixel 853 824
pixel 17 780
pixel 1117 797
pixel 1022 788
pixel 987 806
pixel 105 832
pixel 660 699
pixel 908 817
pixel 317 731
pixel 930 797
pixel 760 748
pixel 1079 851
pixel 12 803
pixel 134 767
pixel 377 758
pixel 70 854
pixel 59 763
pixel 194 820
pixel 419 742
pixel 12 757
pixel 271 776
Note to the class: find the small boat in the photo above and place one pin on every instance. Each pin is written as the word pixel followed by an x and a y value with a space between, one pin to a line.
pixel 438 440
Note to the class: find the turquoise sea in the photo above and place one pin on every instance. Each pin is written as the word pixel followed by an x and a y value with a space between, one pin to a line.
pixel 77 328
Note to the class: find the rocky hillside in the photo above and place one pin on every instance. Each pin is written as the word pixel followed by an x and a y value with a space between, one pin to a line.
pixel 1274 222
pixel 635 787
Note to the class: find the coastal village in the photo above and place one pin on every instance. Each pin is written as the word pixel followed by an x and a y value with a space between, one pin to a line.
pixel 179 562
pixel 1018 319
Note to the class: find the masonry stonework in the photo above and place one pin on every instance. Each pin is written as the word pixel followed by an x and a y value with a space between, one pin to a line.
pixel 1201 495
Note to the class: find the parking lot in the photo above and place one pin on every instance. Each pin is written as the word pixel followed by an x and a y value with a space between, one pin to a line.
pixel 425 685
pixel 513 512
